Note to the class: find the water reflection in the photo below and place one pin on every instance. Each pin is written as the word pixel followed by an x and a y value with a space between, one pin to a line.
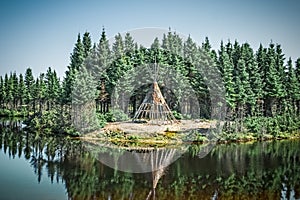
pixel 262 170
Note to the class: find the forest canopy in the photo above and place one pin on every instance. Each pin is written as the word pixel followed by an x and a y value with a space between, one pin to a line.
pixel 261 87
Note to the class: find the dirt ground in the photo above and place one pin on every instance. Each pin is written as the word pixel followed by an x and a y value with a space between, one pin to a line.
pixel 130 127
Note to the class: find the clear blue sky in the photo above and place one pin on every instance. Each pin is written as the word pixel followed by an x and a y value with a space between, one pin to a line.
pixel 40 33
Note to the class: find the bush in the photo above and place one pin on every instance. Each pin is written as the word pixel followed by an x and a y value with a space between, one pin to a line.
pixel 102 118
pixel 116 115
pixel 177 115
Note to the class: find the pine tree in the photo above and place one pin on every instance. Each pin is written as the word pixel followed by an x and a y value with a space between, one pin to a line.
pixel 29 83
pixel 2 93
pixel 52 88
pixel 156 54
pixel 118 47
pixel 194 70
pixel 261 60
pixel 273 85
pixel 76 61
pixel 129 45
pixel 206 46
pixel 228 69
pixel 15 83
pixel 172 43
pixel 104 60
pixel 118 74
pixel 255 92
pixel 297 69
pixel 41 91
pixel 91 63
pixel 236 54
pixel 297 72
pixel 103 52
pixel 84 93
pixel 155 47
pixel 37 97
pixel 118 66
pixel 9 89
pixel 6 90
pixel 78 55
pixel 87 44
pixel 292 85
pixel 242 92
pixel 279 60
pixel 56 88
pixel 22 90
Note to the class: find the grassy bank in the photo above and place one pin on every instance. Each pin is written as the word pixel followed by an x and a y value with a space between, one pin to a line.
pixel 177 138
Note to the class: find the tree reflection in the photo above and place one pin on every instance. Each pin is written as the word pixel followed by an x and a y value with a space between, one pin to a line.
pixel 265 170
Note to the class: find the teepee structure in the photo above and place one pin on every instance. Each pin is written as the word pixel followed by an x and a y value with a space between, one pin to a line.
pixel 154 107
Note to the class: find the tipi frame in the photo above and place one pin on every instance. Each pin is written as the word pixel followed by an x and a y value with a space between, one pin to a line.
pixel 154 107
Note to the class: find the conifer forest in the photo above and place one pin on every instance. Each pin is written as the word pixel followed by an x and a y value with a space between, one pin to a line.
pixel 261 85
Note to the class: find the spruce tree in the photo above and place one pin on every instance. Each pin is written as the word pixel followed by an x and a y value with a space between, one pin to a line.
pixel 292 85
pixel 41 92
pixel 91 63
pixel 87 44
pixel 15 83
pixel 118 47
pixel 252 79
pixel 279 60
pixel 52 88
pixel 129 45
pixel 194 70
pixel 76 61
pixel 6 89
pixel 22 90
pixel 78 55
pixel 103 52
pixel 236 54
pixel 242 92
pixel 228 69
pixel 156 53
pixel 172 43
pixel 206 46
pixel 29 83
pixel 2 92
pixel 297 69
pixel 273 85
pixel 84 93
pixel 9 87
pixel 104 60
pixel 297 72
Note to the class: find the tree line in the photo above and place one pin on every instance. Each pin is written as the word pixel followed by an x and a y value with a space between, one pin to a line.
pixel 261 86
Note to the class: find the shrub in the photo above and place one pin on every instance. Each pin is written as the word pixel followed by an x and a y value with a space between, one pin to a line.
pixel 102 119
pixel 116 115
pixel 177 115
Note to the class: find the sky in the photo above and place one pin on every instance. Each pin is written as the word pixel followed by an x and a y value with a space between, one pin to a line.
pixel 41 34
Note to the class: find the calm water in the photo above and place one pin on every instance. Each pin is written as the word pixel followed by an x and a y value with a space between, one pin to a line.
pixel 39 167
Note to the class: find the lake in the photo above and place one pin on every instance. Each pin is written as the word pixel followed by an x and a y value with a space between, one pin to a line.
pixel 33 166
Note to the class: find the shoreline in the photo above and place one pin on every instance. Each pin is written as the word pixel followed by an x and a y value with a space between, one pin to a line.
pixel 167 135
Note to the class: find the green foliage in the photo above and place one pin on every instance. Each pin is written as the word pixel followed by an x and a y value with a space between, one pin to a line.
pixel 102 119
pixel 177 115
pixel 116 115
pixel 50 123
pixel 13 113
pixel 261 91
pixel 272 125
